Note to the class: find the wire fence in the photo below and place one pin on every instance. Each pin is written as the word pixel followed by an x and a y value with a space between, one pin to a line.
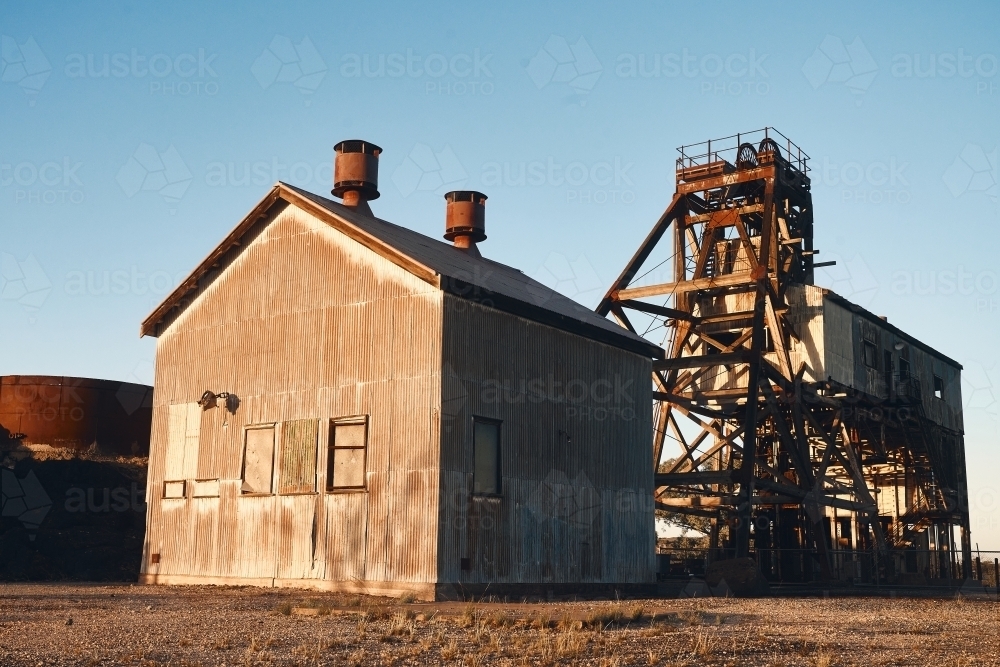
pixel 908 567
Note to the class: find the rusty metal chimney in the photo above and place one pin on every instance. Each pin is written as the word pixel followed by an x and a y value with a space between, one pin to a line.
pixel 355 173
pixel 465 219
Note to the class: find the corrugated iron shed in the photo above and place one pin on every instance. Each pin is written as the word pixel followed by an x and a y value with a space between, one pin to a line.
pixel 311 313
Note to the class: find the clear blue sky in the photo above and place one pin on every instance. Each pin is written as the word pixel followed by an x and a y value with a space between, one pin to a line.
pixel 134 136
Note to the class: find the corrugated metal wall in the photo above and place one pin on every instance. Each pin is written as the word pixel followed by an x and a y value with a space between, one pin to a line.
pixel 304 324
pixel 843 332
pixel 830 345
pixel 805 313
pixel 576 446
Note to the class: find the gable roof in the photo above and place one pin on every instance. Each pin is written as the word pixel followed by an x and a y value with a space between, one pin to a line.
pixel 436 262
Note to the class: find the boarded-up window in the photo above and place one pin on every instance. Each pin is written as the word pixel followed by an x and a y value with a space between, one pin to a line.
pixel 258 459
pixel 183 432
pixel 486 448
pixel 297 472
pixel 174 489
pixel 345 466
pixel 205 488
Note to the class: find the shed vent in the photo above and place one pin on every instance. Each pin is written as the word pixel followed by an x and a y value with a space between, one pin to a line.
pixel 355 172
pixel 465 219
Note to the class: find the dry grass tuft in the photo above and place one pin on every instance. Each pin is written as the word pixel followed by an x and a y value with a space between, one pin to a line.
pixel 601 619
pixel 311 651
pixel 402 624
pixel 569 624
pixel 450 651
pixel 375 613
pixel 570 644
pixel 690 617
pixel 362 626
pixel 635 613
pixel 322 607
pixel 468 617
pixel 497 619
pixel 541 622
pixel 704 645
pixel 222 644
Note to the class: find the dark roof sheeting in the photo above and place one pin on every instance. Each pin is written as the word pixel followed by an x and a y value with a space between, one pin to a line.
pixel 462 274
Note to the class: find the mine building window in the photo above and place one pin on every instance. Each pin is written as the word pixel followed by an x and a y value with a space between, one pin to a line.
pixel 486 450
pixel 345 463
pixel 258 459
pixel 938 387
pixel 174 489
pixel 904 364
pixel 869 354
pixel 297 472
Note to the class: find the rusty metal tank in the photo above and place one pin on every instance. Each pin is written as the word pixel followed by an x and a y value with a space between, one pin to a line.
pixel 76 413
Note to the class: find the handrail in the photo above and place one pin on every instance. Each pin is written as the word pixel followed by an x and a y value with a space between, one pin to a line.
pixel 704 152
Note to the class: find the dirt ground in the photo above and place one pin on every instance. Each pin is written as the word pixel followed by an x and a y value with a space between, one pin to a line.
pixel 99 624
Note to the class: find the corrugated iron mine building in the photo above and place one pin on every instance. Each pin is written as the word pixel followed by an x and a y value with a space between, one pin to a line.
pixel 345 404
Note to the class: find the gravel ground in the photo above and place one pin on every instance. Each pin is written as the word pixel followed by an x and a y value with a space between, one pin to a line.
pixel 98 624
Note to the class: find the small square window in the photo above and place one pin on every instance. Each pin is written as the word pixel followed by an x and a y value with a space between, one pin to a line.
pixel 205 488
pixel 258 459
pixel 174 489
pixel 938 387
pixel 486 449
pixel 345 464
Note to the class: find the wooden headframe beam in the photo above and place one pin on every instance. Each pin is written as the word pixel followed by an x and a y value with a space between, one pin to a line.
pixel 673 210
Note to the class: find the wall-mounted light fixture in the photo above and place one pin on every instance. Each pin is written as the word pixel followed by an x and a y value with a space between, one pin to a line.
pixel 224 399
pixel 210 399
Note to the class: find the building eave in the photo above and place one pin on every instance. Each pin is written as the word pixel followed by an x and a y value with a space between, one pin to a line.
pixel 885 324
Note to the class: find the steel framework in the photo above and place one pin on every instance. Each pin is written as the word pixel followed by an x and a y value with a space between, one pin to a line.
pixel 764 453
